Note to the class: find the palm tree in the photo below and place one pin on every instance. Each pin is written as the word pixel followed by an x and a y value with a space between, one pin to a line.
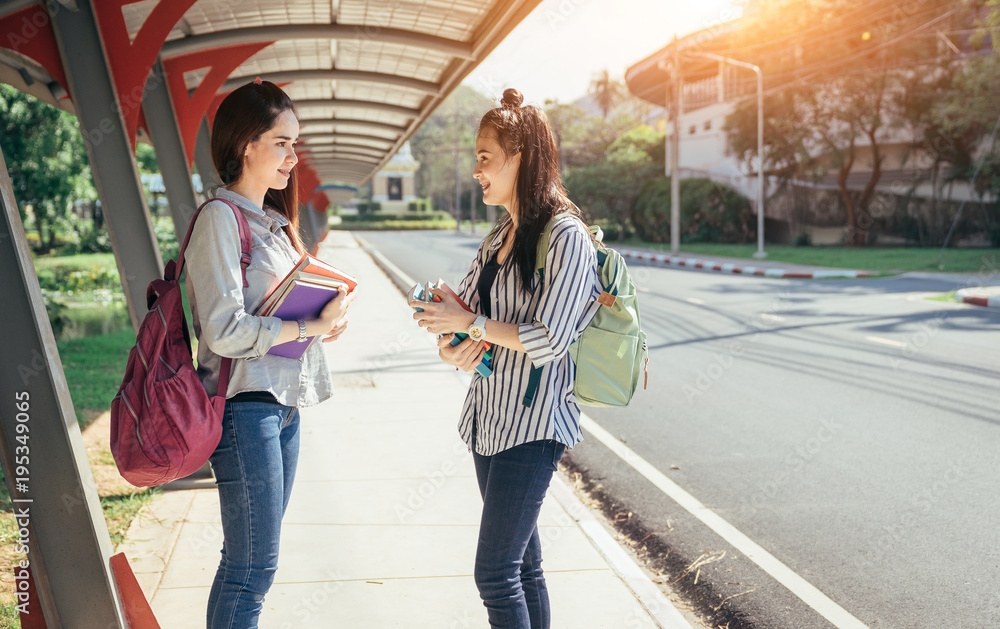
pixel 607 91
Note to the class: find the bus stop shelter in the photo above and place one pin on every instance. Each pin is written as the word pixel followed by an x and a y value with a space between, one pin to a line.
pixel 364 75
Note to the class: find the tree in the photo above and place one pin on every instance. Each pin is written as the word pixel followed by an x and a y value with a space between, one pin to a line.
pixel 959 127
pixel 607 190
pixel 607 91
pixel 835 71
pixel 46 159
pixel 449 134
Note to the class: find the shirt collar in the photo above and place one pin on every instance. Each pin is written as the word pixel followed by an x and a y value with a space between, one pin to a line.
pixel 268 217
pixel 500 233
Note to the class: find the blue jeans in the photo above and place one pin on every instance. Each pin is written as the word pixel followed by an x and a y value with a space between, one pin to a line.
pixel 509 557
pixel 254 466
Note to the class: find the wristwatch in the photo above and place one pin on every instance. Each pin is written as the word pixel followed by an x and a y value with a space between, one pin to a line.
pixel 302 331
pixel 478 328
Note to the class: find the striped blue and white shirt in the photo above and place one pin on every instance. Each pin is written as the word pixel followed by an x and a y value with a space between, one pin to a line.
pixel 549 321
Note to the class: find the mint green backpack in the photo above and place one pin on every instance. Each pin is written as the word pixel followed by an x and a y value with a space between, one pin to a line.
pixel 611 352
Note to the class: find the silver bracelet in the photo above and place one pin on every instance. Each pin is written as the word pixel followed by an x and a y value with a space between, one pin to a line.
pixel 302 331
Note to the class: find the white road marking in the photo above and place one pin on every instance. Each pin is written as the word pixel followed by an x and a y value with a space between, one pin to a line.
pixel 837 615
pixel 889 342
pixel 695 301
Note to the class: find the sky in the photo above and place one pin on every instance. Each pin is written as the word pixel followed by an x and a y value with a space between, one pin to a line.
pixel 555 52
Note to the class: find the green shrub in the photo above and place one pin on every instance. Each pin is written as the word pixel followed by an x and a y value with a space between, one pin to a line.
pixel 368 207
pixel 88 240
pixel 803 240
pixel 58 315
pixel 68 278
pixel 710 212
pixel 380 217
pixel 163 226
pixel 612 230
pixel 420 205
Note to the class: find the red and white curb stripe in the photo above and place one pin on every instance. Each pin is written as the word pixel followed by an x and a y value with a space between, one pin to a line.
pixel 710 265
pixel 967 296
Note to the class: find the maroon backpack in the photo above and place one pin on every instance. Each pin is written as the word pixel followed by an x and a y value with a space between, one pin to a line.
pixel 164 426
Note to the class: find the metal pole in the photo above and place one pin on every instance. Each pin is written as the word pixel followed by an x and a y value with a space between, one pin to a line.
pixel 52 487
pixel 307 225
pixel 675 156
pixel 203 159
pixel 760 165
pixel 458 185
pixel 472 210
pixel 170 155
pixel 116 175
pixel 760 140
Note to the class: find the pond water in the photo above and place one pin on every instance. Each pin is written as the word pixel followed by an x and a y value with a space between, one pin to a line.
pixel 87 314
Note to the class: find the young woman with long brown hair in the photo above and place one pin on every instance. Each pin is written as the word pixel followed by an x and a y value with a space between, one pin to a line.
pixel 253 148
pixel 516 443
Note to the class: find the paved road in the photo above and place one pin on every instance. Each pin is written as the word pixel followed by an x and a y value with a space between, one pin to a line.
pixel 850 428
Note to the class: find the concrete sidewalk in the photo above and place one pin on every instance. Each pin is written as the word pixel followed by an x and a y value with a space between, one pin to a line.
pixel 382 525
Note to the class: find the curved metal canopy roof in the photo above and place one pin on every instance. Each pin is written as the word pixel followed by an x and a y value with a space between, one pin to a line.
pixel 364 74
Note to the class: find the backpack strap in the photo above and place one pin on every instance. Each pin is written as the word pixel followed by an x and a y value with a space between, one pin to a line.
pixel 535 376
pixel 174 272
pixel 245 241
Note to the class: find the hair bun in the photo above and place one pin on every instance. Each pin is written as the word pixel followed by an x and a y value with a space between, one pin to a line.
pixel 512 99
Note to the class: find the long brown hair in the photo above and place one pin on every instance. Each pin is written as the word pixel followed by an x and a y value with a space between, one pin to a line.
pixel 246 114
pixel 538 189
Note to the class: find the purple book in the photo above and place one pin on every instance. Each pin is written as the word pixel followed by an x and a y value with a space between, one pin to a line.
pixel 304 300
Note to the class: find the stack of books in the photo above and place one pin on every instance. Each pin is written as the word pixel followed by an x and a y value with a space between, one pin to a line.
pixel 420 292
pixel 303 294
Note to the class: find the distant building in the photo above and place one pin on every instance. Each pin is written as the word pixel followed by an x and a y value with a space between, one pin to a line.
pixel 709 94
pixel 395 186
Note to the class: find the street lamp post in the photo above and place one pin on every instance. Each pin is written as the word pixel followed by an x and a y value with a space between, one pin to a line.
pixel 672 169
pixel 675 155
pixel 760 140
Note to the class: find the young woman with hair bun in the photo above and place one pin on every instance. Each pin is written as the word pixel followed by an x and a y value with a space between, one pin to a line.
pixel 253 148
pixel 516 446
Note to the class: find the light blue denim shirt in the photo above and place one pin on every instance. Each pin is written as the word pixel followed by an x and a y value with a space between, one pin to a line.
pixel 222 308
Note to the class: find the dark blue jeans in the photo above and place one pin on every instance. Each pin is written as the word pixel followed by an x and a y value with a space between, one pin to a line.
pixel 254 466
pixel 509 557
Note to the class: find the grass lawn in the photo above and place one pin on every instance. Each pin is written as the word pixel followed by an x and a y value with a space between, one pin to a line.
pixel 867 258
pixel 94 368
pixel 392 225
pixel 78 261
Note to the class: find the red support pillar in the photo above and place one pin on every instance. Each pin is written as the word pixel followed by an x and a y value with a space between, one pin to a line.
pixel 192 107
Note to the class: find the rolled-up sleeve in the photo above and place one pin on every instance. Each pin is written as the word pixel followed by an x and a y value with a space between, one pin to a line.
pixel 213 265
pixel 567 289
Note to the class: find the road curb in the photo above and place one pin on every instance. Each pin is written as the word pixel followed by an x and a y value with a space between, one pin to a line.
pixel 735 269
pixel 970 296
pixel 398 277
pixel 652 599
